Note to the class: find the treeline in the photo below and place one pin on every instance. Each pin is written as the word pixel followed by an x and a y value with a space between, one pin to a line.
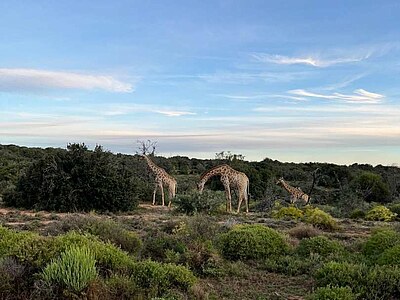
pixel 77 178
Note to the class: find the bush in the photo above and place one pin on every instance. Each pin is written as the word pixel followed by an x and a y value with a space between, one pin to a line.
pixel 206 202
pixel 75 180
pixel 107 230
pixel 357 214
pixel 319 245
pixel 252 242
pixel 371 187
pixel 302 231
pixel 395 208
pixel 199 227
pixel 332 293
pixel 379 241
pixel 390 256
pixel 380 213
pixel 157 246
pixel 74 270
pixel 121 287
pixel 319 218
pixel 292 265
pixel 290 212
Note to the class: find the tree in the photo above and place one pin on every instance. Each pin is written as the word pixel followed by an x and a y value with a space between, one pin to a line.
pixel 371 187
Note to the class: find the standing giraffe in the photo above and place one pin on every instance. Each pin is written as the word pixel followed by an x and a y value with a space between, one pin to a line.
pixel 295 193
pixel 161 178
pixel 229 178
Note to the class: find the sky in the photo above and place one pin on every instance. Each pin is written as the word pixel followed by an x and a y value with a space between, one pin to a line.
pixel 300 81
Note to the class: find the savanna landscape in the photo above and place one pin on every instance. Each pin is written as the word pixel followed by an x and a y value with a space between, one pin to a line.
pixel 79 223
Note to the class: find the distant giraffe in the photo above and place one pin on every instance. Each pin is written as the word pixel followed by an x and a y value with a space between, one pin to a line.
pixel 295 193
pixel 161 178
pixel 229 178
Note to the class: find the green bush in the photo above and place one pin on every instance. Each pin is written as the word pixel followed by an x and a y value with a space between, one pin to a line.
pixel 380 213
pixel 390 256
pixel 319 245
pixel 357 214
pixel 319 218
pixel 74 270
pixel 371 187
pixel 121 287
pixel 252 242
pixel 379 241
pixel 395 208
pixel 292 265
pixel 206 202
pixel 106 229
pixel 290 212
pixel 158 278
pixel 75 180
pixel 156 246
pixel 333 293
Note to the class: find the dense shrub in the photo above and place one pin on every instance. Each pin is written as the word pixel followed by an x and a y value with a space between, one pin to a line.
pixel 106 229
pixel 75 180
pixel 357 214
pixel 157 246
pixel 379 241
pixel 390 256
pixel 199 227
pixel 252 242
pixel 319 245
pixel 290 212
pixel 121 287
pixel 371 187
pixel 319 218
pixel 292 265
pixel 395 208
pixel 333 293
pixel 302 231
pixel 380 213
pixel 74 270
pixel 206 202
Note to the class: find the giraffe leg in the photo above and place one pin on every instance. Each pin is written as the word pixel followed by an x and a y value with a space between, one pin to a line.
pixel 154 194
pixel 162 194
pixel 246 200
pixel 240 196
pixel 170 197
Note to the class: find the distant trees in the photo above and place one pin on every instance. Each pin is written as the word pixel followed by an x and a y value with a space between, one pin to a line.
pixel 371 187
pixel 74 180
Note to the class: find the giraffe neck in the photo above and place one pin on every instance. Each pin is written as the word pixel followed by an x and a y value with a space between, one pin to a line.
pixel 287 187
pixel 153 167
pixel 219 170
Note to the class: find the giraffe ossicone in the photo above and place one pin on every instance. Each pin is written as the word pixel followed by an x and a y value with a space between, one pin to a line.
pixel 230 178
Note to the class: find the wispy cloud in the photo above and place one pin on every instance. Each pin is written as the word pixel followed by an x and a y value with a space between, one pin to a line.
pixel 358 96
pixel 118 110
pixel 23 80
pixel 308 60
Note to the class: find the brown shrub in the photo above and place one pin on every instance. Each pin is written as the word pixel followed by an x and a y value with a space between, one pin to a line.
pixel 303 231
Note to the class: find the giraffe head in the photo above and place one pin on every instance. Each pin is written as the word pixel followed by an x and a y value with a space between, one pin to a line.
pixel 280 181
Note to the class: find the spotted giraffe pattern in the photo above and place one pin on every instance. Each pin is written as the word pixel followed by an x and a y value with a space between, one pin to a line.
pixel 230 178
pixel 161 178
pixel 296 194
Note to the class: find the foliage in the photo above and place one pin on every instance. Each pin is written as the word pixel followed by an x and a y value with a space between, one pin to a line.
pixel 319 245
pixel 74 270
pixel 380 213
pixel 371 187
pixel 75 180
pixel 292 265
pixel 357 214
pixel 290 212
pixel 302 231
pixel 332 293
pixel 156 246
pixel 319 218
pixel 121 287
pixel 206 202
pixel 390 256
pixel 252 242
pixel 395 208
pixel 379 241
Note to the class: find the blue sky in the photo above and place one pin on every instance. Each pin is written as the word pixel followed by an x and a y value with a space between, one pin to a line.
pixel 289 80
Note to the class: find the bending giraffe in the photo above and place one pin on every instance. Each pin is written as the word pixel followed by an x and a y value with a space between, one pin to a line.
pixel 229 178
pixel 161 178
pixel 295 193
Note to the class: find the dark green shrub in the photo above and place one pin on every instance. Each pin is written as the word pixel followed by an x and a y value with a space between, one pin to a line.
pixel 319 218
pixel 73 270
pixel 357 214
pixel 156 246
pixel 106 229
pixel 199 227
pixel 371 187
pixel 390 256
pixel 333 293
pixel 207 202
pixel 252 242
pixel 340 274
pixel 380 213
pixel 379 241
pixel 75 180
pixel 395 208
pixel 290 212
pixel 12 278
pixel 292 265
pixel 121 287
pixel 319 245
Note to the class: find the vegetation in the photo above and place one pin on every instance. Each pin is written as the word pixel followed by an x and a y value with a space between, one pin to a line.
pixel 380 213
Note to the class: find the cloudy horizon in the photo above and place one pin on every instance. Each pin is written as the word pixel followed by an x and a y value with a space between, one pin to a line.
pixel 301 82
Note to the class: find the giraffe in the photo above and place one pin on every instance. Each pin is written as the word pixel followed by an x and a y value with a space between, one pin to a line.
pixel 295 193
pixel 229 178
pixel 161 178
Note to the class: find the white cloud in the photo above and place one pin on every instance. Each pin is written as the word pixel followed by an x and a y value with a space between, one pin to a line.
pixel 118 110
pixel 359 96
pixel 307 60
pixel 18 80
pixel 174 113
